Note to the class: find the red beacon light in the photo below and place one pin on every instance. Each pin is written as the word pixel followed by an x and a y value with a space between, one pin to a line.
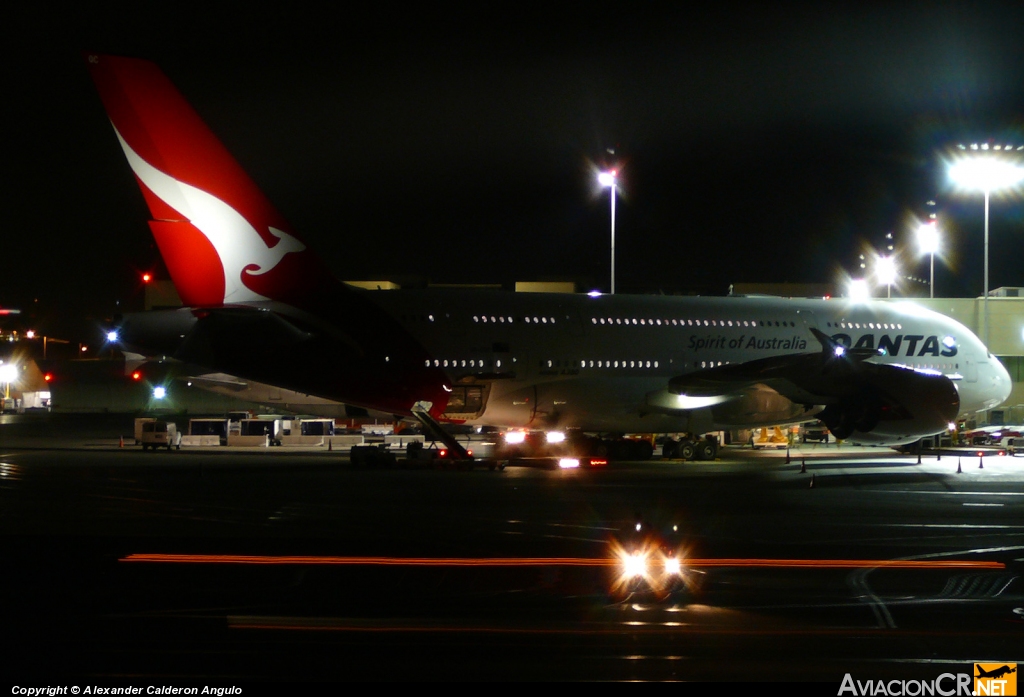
pixel 137 375
pixel 147 277
pixel 48 377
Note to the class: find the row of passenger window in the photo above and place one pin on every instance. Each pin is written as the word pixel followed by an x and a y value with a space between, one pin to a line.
pixel 463 363
pixel 936 366
pixel 604 364
pixel 507 319
pixel 690 322
pixel 633 321
pixel 863 325
pixel 621 364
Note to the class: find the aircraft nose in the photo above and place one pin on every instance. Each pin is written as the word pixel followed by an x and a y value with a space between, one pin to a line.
pixel 1003 383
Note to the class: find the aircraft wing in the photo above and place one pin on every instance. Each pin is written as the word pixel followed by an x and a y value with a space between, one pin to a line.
pixel 857 395
pixel 219 382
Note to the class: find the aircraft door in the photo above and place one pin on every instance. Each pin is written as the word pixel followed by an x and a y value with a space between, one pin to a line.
pixel 572 318
pixel 805 320
pixel 970 369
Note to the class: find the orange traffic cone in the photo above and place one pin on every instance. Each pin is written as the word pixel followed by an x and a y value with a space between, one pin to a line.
pixel 812 482
pixel 120 443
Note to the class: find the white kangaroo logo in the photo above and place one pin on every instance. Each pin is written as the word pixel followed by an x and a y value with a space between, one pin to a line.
pixel 239 246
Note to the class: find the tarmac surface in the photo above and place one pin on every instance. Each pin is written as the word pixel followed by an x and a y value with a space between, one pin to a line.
pixel 247 566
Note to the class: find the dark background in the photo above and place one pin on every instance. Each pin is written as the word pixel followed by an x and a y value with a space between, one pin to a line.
pixel 457 143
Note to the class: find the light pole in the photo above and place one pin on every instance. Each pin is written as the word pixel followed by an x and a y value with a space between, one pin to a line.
pixel 985 171
pixel 608 179
pixel 928 240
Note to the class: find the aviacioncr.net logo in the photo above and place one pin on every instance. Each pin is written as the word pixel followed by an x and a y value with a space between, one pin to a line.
pixel 945 685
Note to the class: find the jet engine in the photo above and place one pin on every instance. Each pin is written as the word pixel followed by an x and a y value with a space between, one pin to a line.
pixel 862 401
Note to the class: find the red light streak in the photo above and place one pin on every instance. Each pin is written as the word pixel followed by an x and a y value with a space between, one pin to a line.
pixel 558 561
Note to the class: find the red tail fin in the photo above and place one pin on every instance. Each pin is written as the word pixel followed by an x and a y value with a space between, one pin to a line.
pixel 222 240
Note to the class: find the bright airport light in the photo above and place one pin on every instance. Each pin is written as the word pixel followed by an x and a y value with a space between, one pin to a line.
pixel 928 238
pixel 8 373
pixel 112 336
pixel 858 291
pixel 885 272
pixel 159 392
pixel 985 173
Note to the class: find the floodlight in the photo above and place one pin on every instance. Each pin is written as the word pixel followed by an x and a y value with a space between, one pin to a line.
pixel 8 372
pixel 858 291
pixel 985 174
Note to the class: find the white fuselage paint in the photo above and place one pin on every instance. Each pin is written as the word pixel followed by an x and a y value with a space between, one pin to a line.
pixel 601 363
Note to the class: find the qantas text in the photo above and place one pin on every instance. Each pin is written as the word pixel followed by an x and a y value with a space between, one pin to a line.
pixel 898 345
pixel 909 344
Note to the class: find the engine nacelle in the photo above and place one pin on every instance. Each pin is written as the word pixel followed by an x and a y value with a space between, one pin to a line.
pixel 895 405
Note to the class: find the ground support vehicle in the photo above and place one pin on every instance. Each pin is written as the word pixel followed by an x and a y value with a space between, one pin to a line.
pixel 532 445
pixel 816 431
pixel 160 434
pixel 777 439
pixel 418 455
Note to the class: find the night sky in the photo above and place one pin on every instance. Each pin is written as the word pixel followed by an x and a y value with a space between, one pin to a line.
pixel 456 143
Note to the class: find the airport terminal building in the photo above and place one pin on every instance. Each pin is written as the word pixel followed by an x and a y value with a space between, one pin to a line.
pixel 1005 338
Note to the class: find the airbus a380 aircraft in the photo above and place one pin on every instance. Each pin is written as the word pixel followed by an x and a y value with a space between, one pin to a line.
pixel 262 307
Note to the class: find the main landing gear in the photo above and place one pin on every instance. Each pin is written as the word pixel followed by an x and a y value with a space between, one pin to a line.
pixel 687 448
